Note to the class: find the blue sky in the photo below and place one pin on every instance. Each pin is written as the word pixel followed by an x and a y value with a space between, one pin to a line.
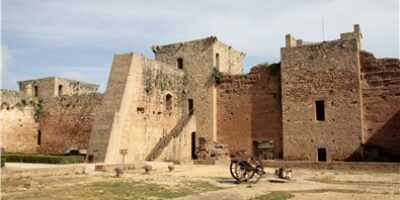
pixel 77 39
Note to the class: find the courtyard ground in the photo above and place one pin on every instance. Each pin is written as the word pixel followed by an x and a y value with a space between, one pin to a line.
pixel 197 182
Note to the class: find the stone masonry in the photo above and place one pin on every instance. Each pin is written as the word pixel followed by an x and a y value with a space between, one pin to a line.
pixel 325 101
pixel 249 111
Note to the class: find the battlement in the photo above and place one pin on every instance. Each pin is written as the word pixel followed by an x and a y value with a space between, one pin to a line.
pixel 356 34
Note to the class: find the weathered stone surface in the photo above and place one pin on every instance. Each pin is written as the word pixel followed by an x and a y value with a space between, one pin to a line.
pixel 381 106
pixel 249 111
pixel 66 122
pixel 19 129
pixel 328 71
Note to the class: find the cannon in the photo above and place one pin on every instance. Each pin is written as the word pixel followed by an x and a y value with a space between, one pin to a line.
pixel 247 169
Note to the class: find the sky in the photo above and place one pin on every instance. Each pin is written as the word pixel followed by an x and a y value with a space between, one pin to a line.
pixel 78 39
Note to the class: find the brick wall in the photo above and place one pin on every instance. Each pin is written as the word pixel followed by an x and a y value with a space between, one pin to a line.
pixel 381 106
pixel 249 109
pixel 66 122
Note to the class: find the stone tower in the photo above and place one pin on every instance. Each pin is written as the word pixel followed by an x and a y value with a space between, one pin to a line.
pixel 197 59
pixel 321 98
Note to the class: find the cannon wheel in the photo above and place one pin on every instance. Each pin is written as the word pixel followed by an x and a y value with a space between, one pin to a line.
pixel 258 170
pixel 243 171
pixel 232 169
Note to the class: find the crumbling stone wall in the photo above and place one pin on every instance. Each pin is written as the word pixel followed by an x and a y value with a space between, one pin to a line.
pixel 199 59
pixel 249 110
pixel 135 114
pixel 381 107
pixel 327 71
pixel 66 122
pixel 55 86
pixel 19 129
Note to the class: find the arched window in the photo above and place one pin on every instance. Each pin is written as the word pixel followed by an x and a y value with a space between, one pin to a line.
pixel 168 102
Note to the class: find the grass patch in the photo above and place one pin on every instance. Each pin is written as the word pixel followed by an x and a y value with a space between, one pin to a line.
pixel 275 196
pixel 79 188
pixel 48 159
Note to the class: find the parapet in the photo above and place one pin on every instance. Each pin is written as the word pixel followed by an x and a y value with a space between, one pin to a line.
pixel 356 34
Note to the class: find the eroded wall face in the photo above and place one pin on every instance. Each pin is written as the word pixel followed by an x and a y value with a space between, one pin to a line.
pixel 381 106
pixel 153 104
pixel 198 65
pixel 19 130
pixel 227 59
pixel 66 122
pixel 144 100
pixel 327 71
pixel 249 111
pixel 43 88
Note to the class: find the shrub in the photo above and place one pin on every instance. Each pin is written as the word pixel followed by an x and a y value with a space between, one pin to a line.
pixel 217 75
pixel 49 159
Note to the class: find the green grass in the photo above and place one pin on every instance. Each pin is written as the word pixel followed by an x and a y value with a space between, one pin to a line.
pixel 79 187
pixel 48 159
pixel 275 196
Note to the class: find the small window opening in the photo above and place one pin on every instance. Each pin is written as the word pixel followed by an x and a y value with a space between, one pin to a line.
pixel 36 91
pixel 168 102
pixel 60 90
pixel 39 138
pixel 320 110
pixel 321 154
pixel 190 106
pixel 179 63
pixel 217 60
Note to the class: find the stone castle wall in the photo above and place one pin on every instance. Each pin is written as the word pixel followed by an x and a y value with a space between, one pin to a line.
pixel 327 71
pixel 135 114
pixel 66 122
pixel 249 110
pixel 19 129
pixel 55 86
pixel 199 59
pixel 381 105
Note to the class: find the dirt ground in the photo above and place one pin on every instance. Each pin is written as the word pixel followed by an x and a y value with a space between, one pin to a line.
pixel 196 182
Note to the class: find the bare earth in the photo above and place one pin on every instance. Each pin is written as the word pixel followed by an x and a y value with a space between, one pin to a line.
pixel 204 182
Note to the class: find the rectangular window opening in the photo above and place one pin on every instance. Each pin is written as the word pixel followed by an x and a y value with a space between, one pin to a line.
pixel 60 90
pixel 217 60
pixel 39 138
pixel 190 106
pixel 36 91
pixel 320 110
pixel 179 63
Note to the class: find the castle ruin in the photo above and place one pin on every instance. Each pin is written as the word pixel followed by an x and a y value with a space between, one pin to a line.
pixel 325 101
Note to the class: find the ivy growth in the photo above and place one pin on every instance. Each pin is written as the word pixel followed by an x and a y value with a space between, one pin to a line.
pixel 217 76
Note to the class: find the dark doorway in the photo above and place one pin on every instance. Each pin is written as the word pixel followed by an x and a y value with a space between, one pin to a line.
pixel 193 145
pixel 320 110
pixel 190 106
pixel 39 138
pixel 321 154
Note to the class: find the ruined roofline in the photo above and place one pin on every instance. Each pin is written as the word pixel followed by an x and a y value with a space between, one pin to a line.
pixel 58 77
pixel 293 42
pixel 211 39
pixel 151 60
